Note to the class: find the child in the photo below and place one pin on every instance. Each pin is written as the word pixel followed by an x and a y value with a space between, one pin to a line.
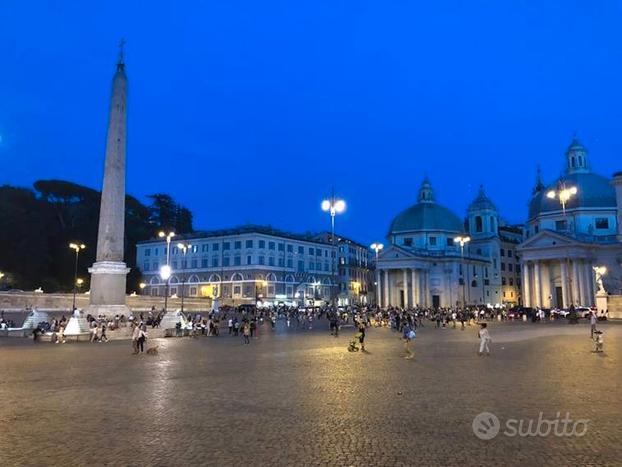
pixel 484 340
pixel 407 335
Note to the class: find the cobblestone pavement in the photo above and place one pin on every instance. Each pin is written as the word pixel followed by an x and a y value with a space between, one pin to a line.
pixel 299 398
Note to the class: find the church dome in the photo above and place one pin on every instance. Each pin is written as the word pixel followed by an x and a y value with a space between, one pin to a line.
pixel 426 215
pixel 593 191
pixel 482 202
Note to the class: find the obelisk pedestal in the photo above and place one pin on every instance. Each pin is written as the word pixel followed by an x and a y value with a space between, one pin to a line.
pixel 108 274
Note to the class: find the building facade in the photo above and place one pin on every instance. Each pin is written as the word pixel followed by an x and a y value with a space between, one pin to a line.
pixel 565 241
pixel 425 265
pixel 250 264
pixel 354 271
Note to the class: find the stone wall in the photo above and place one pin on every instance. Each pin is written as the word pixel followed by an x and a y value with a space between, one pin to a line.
pixel 45 301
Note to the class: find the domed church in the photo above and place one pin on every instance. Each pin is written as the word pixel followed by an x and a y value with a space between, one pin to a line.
pixel 427 265
pixel 574 226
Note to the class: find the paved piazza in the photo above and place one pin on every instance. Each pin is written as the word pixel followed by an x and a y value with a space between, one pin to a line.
pixel 299 398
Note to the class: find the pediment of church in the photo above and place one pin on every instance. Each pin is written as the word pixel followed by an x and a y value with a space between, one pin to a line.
pixel 395 252
pixel 547 239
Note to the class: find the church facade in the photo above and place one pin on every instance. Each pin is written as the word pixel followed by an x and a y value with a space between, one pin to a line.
pixel 574 225
pixel 435 259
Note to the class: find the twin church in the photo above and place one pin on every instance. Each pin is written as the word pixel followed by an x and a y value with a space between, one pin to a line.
pixel 437 259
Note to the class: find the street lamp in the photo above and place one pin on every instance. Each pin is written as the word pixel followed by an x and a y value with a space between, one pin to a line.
pixel 377 247
pixel 333 206
pixel 184 247
pixel 463 240
pixel 77 247
pixel 563 193
pixel 165 271
pixel 142 286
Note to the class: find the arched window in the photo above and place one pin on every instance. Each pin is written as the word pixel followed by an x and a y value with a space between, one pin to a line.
pixel 214 278
pixel 271 277
pixel 478 224
pixel 154 280
pixel 237 277
pixel 193 279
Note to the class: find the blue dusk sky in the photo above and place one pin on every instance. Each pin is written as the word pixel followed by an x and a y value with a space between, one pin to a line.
pixel 250 111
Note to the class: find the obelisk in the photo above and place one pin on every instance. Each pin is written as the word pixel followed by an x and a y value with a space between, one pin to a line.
pixel 108 274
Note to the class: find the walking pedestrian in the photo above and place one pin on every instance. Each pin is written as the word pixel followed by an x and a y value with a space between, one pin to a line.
pixel 593 321
pixel 408 334
pixel 246 332
pixel 135 336
pixel 484 340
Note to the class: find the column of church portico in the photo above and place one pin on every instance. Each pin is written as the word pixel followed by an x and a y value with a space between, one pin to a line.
pixel 565 291
pixel 405 276
pixel 526 285
pixel 545 284
pixel 537 297
pixel 414 289
pixel 387 298
pixel 378 289
pixel 583 286
pixel 426 287
pixel 590 281
pixel 576 298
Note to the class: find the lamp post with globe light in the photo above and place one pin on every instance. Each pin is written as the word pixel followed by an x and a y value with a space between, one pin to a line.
pixel 333 206
pixel 165 270
pixel 463 240
pixel 563 193
pixel 377 247
pixel 184 247
pixel 77 247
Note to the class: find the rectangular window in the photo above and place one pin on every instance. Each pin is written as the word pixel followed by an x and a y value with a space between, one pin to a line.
pixel 271 261
pixel 215 246
pixel 601 223
pixel 205 247
pixel 214 262
pixel 310 251
pixel 301 250
pixel 290 248
pixel 271 245
pixel 450 241
pixel 281 246
pixel 174 264
pixel 509 253
pixel 408 242
pixel 195 248
pixel 249 244
pixel 518 269
pixel 194 264
pixel 225 261
pixel 510 267
pixel 432 241
pixel 237 245
pixel 281 262
pixel 226 246
pixel 155 266
pixel 147 251
pixel 511 281
pixel 262 259
pixel 311 266
pixel 262 243
pixel 301 266
pixel 184 264
pixel 146 267
pixel 318 266
pixel 204 263
pixel 249 259
pixel 155 252
pixel 503 266
pixel 503 281
pixel 290 263
pixel 237 260
pixel 560 225
pixel 502 252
